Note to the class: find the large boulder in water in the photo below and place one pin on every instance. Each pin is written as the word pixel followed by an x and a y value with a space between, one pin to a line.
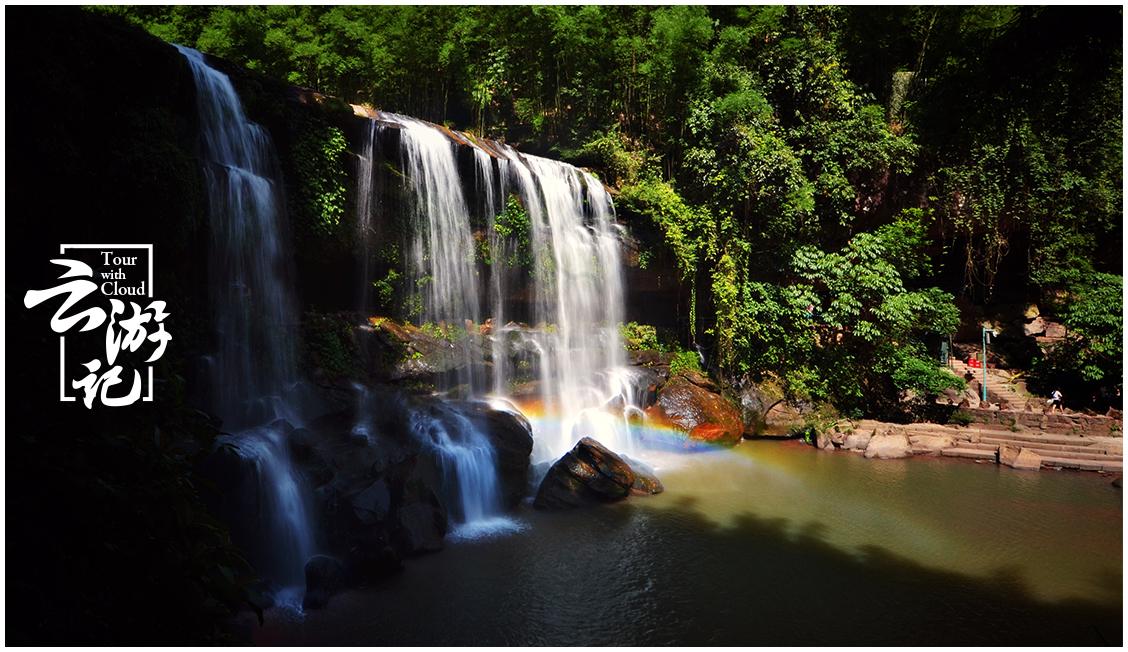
pixel 379 502
pixel 889 444
pixel 420 520
pixel 591 474
pixel 703 414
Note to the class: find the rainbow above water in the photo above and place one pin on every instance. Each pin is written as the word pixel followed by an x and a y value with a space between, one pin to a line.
pixel 647 432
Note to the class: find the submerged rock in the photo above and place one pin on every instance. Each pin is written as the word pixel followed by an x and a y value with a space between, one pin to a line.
pixel 706 416
pixel 646 484
pixel 420 527
pixel 325 576
pixel 590 474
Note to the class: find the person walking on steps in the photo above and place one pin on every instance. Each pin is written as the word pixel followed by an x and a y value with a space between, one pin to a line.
pixel 1055 401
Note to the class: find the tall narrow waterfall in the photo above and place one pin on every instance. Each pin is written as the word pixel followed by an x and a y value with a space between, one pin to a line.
pixel 254 368
pixel 442 253
pixel 364 206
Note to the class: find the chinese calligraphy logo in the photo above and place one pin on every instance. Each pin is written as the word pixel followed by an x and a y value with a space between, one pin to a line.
pixel 95 276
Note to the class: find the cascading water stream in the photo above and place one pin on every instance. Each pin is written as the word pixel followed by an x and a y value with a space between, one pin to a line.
pixel 364 205
pixel 577 284
pixel 572 294
pixel 443 271
pixel 254 369
pixel 469 466
pixel 442 253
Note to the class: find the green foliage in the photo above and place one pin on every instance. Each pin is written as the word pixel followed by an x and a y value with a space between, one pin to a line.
pixel 785 156
pixel 1095 322
pixel 639 337
pixel 318 157
pixel 684 361
pixel 846 329
pixel 687 229
pixel 512 225
pixel 330 346
pixel 386 288
pixel 452 333
pixel 625 164
pixel 914 371
pixel 1088 362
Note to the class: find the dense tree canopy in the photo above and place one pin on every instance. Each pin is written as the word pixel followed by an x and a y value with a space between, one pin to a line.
pixel 828 179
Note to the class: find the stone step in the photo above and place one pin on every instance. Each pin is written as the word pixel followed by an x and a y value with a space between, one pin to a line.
pixel 1087 449
pixel 978 445
pixel 1052 434
pixel 969 453
pixel 1037 438
pixel 1083 465
pixel 1086 457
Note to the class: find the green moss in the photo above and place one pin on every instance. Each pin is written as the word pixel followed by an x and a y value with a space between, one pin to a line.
pixel 452 333
pixel 329 345
pixel 960 418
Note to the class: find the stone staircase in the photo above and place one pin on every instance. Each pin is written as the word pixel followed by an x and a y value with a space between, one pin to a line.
pixel 1001 386
pixel 1019 447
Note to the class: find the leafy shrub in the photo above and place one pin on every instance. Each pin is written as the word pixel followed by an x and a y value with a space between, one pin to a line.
pixel 684 361
pixel 639 337
pixel 318 158
pixel 960 418
pixel 386 288
pixel 513 225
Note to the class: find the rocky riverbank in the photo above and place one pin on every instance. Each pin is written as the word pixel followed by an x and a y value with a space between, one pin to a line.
pixel 1010 445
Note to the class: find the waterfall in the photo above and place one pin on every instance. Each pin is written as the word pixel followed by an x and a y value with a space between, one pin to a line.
pixel 442 251
pixel 254 368
pixel 442 268
pixel 493 193
pixel 577 284
pixel 283 518
pixel 469 468
pixel 364 205
pixel 568 289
